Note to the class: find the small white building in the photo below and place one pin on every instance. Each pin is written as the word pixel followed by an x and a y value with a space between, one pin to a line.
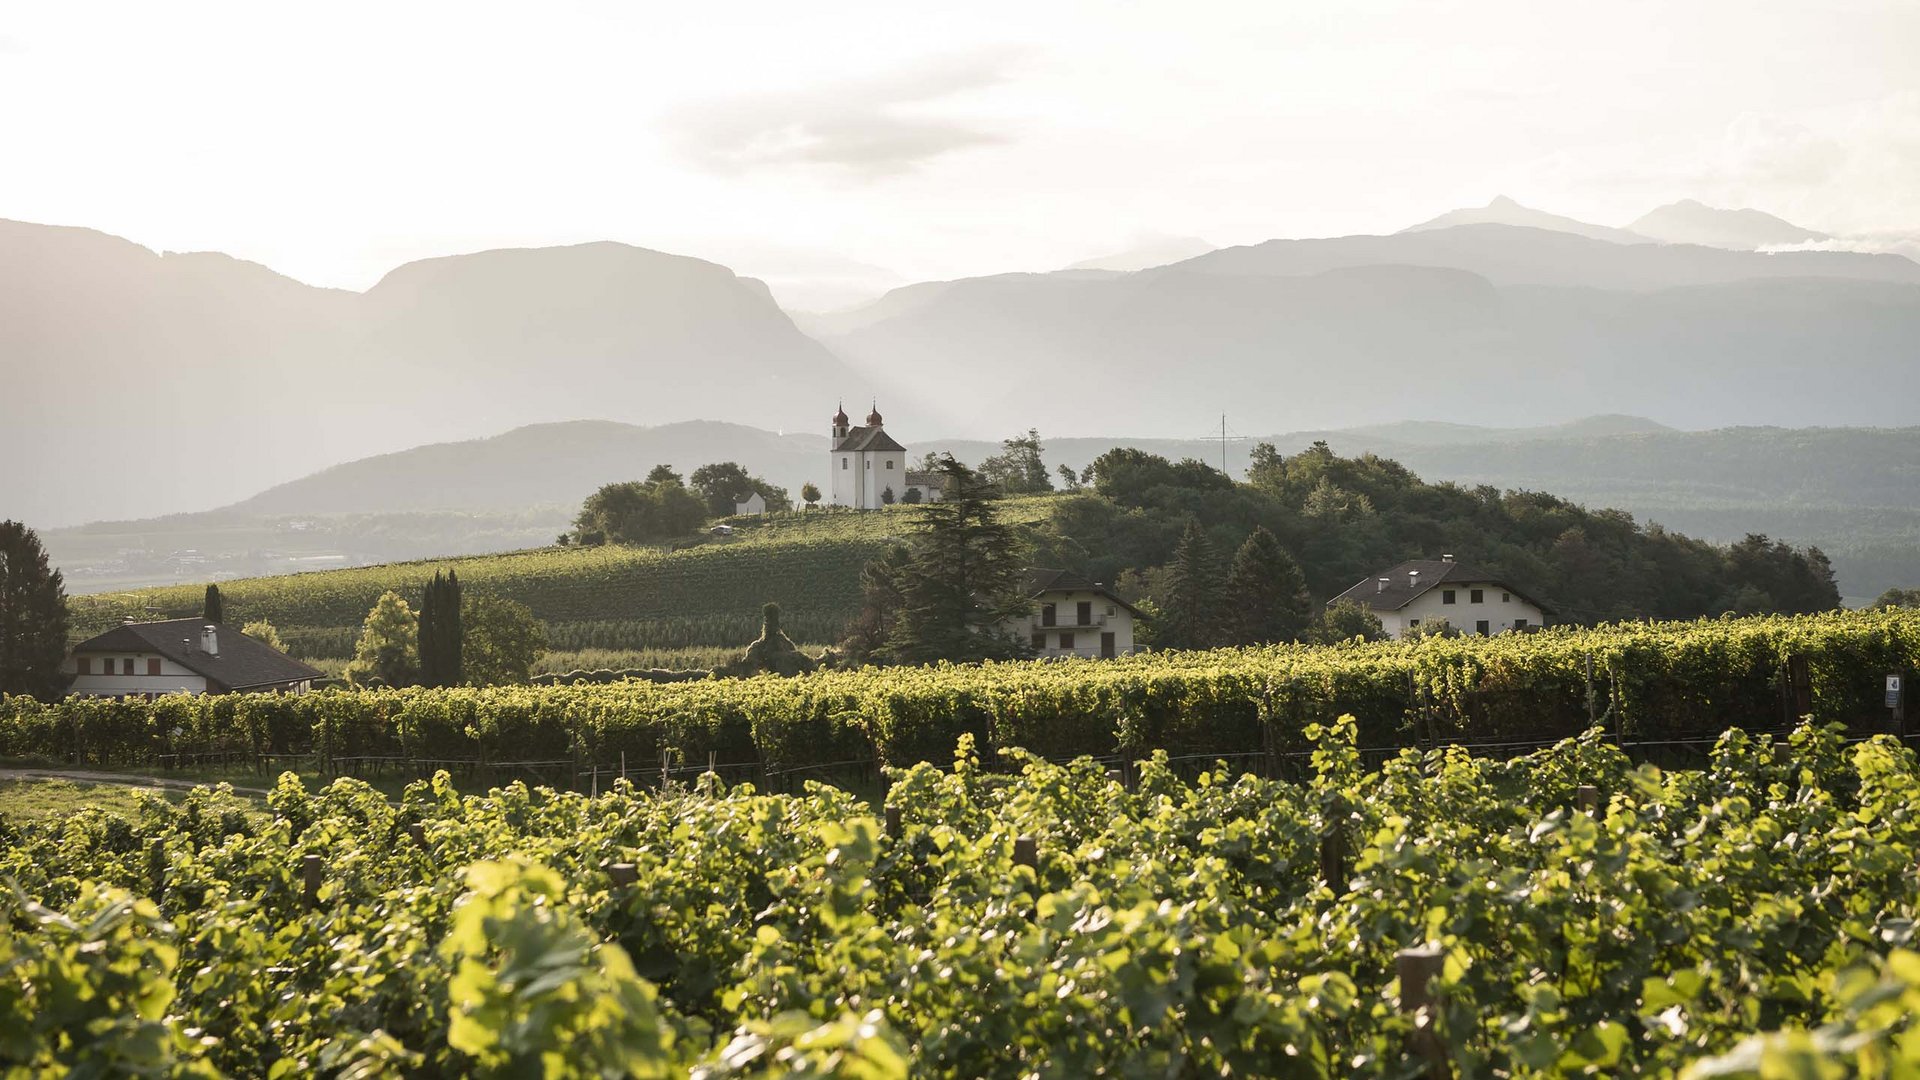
pixel 1072 616
pixel 754 504
pixel 181 656
pixel 869 469
pixel 1426 592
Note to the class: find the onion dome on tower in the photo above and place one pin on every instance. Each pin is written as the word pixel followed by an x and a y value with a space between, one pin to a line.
pixel 873 417
pixel 840 417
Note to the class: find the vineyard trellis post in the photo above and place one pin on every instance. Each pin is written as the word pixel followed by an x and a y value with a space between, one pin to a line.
pixel 312 871
pixel 1802 685
pixel 1333 856
pixel 157 866
pixel 1593 700
pixel 1417 968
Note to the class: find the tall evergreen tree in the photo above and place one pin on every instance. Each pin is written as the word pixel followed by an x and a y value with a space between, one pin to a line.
pixel 214 611
pixel 1267 597
pixel 961 579
pixel 33 616
pixel 1193 615
pixel 441 631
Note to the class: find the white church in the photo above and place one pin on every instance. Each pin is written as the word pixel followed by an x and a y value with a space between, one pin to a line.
pixel 870 468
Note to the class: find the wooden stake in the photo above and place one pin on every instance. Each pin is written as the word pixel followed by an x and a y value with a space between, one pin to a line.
pixel 713 762
pixel 419 833
pixel 1589 798
pixel 157 866
pixel 622 873
pixel 1802 685
pixel 1026 852
pixel 312 870
pixel 1333 857
pixel 1417 969
pixel 893 822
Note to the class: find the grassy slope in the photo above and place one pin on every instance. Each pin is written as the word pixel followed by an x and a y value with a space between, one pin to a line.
pixel 607 597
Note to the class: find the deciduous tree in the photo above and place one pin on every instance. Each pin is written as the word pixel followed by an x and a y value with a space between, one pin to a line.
pixel 389 646
pixel 502 641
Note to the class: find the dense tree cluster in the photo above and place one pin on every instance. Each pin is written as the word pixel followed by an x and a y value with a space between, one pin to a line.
pixel 1339 520
pixel 453 639
pixel 726 484
pixel 660 507
pixel 1017 469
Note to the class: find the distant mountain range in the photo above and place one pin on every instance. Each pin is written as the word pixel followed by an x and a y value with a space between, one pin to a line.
pixel 139 383
pixel 1847 489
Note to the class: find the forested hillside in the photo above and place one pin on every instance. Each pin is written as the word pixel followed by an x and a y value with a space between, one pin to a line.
pixel 1341 519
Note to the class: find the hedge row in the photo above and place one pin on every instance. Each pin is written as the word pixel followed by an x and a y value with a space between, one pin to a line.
pixel 1647 680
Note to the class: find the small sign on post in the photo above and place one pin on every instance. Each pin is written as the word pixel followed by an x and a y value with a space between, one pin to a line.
pixel 1897 700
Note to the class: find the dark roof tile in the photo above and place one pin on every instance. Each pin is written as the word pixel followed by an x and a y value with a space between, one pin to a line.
pixel 243 663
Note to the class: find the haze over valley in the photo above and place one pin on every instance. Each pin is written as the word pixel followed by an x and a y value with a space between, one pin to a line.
pixel 1497 316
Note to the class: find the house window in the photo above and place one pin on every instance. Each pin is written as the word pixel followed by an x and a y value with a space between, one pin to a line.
pixel 1083 613
pixel 82 665
pixel 126 665
pixel 1519 624
pixel 1066 641
pixel 1480 628
pixel 1039 642
pixel 1047 615
pixel 843 464
pixel 869 462
pixel 1446 596
pixel 1111 610
pixel 889 463
pixel 153 665
pixel 1413 622
pixel 1476 596
pixel 1506 598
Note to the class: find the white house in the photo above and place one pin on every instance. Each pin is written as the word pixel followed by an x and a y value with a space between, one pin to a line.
pixel 869 469
pixel 1424 592
pixel 1072 616
pixel 753 504
pixel 181 656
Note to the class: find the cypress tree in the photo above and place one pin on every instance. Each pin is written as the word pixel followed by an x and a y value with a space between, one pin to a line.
pixel 1267 599
pixel 215 609
pixel 441 635
pixel 1194 613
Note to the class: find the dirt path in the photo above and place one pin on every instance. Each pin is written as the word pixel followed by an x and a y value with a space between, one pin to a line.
pixel 84 776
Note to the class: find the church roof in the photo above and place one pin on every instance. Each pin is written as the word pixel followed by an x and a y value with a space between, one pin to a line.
pixel 862 439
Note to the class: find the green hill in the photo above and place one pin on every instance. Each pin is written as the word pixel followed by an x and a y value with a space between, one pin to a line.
pixel 709 594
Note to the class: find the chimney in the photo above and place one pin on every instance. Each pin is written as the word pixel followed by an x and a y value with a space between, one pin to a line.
pixel 1413 578
pixel 209 640
pixel 1446 558
pixel 1382 586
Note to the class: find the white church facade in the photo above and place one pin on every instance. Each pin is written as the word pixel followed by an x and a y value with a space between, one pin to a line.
pixel 869 469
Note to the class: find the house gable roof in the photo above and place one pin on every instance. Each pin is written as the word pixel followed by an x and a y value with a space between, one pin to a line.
pixel 863 439
pixel 1041 581
pixel 242 664
pixel 1404 588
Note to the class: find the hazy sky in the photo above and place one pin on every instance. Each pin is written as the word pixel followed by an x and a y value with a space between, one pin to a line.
pixel 871 141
